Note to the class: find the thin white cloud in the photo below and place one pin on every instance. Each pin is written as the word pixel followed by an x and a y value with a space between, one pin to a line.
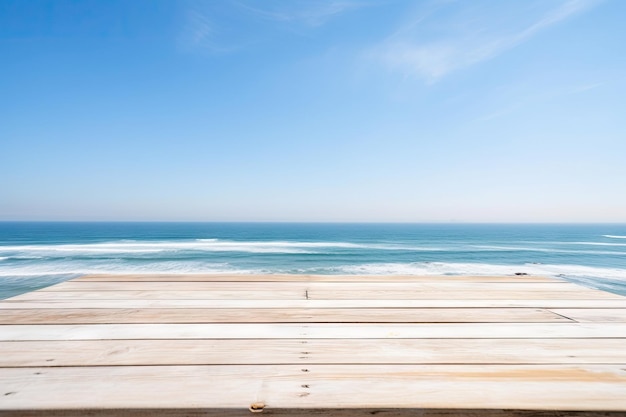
pixel 585 87
pixel 249 22
pixel 530 100
pixel 199 32
pixel 200 29
pixel 310 13
pixel 414 51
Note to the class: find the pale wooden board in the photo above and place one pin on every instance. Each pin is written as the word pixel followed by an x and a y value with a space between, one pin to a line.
pixel 478 350
pixel 312 331
pixel 303 303
pixel 599 315
pixel 318 286
pixel 314 351
pixel 163 295
pixel 312 278
pixel 510 294
pixel 313 290
pixel 316 294
pixel 285 315
pixel 562 387
pixel 308 412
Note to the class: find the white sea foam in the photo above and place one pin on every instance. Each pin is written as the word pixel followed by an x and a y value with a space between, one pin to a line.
pixel 206 245
pixel 428 268
pixel 441 268
pixel 155 247
pixel 585 243
pixel 77 268
pixel 546 250
pixel 595 243
pixel 614 236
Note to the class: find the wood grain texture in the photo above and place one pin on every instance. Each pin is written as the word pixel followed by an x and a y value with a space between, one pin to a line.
pixel 163 295
pixel 309 412
pixel 355 293
pixel 278 315
pixel 562 387
pixel 594 315
pixel 304 303
pixel 312 331
pixel 195 345
pixel 307 351
pixel 86 286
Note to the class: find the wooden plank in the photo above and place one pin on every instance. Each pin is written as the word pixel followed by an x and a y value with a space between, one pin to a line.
pixel 313 331
pixel 598 315
pixel 88 286
pixel 303 303
pixel 354 293
pixel 317 286
pixel 309 412
pixel 559 387
pixel 310 278
pixel 315 412
pixel 276 315
pixel 316 351
pixel 472 293
pixel 163 295
pixel 313 345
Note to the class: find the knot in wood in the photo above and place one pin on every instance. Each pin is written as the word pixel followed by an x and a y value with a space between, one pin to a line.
pixel 257 407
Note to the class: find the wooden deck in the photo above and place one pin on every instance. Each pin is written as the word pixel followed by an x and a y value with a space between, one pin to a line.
pixel 208 345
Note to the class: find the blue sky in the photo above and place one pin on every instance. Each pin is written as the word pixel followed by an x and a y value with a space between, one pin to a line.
pixel 329 110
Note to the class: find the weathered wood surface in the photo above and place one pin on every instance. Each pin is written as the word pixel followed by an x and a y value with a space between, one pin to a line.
pixel 443 290
pixel 213 345
pixel 310 412
pixel 280 315
pixel 261 287
pixel 322 294
pixel 600 304
pixel 313 331
pixel 317 351
pixel 562 387
pixel 594 315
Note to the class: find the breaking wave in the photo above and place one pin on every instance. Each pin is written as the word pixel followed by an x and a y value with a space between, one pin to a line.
pixel 414 268
pixel 199 245
pixel 78 268
pixel 407 250
pixel 441 268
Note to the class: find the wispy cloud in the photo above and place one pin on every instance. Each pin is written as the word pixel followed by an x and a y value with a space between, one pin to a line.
pixel 199 32
pixel 249 22
pixel 533 99
pixel 309 13
pixel 471 36
pixel 585 87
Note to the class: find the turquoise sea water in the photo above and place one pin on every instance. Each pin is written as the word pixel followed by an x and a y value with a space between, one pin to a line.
pixel 33 255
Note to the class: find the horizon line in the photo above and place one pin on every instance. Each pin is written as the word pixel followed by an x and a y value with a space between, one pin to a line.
pixel 323 222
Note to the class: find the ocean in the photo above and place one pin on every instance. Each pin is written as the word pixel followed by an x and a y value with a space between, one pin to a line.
pixel 37 254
